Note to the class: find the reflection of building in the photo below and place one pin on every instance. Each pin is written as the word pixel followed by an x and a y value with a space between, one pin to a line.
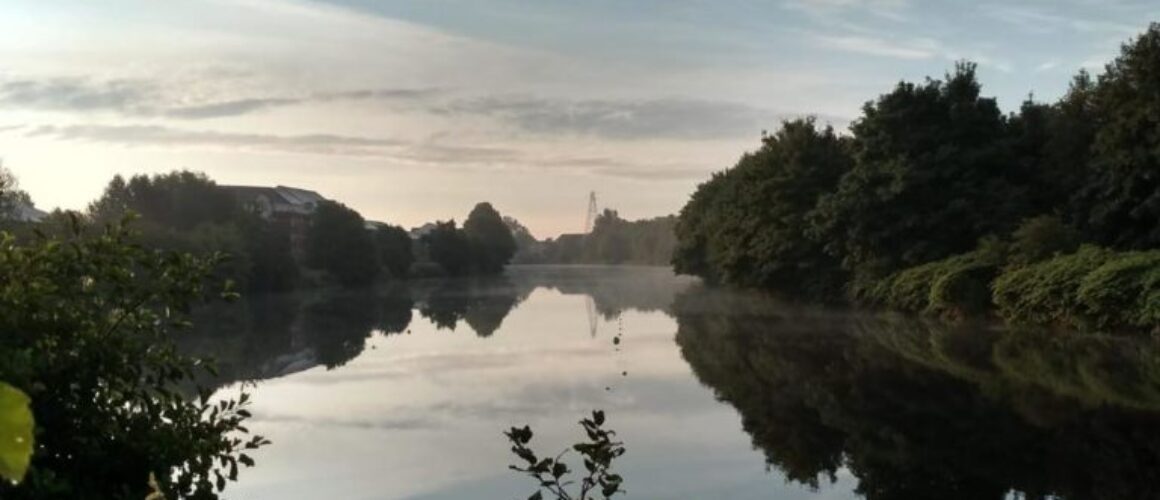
pixel 288 206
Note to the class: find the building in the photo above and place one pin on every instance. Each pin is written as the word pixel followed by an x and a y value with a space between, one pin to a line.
pixel 291 207
pixel 26 212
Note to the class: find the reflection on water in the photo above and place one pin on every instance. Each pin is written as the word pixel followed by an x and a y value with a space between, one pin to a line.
pixel 917 410
pixel 383 395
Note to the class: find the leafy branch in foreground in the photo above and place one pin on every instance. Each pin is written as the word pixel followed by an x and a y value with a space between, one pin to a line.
pixel 551 473
pixel 87 318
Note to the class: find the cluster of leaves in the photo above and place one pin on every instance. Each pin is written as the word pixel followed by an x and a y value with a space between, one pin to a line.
pixel 484 245
pixel 87 321
pixel 894 214
pixel 551 474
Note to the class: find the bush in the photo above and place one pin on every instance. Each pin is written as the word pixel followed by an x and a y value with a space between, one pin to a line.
pixel 1048 292
pixel 88 323
pixel 952 286
pixel 964 290
pixel 1041 238
pixel 909 289
pixel 1116 294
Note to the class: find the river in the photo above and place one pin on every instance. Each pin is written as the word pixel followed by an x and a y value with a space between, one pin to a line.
pixel 403 393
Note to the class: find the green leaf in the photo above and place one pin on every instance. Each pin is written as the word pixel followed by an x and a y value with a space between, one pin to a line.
pixel 15 433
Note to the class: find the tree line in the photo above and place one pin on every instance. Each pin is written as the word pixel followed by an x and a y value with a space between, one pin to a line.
pixel 612 241
pixel 189 212
pixel 937 201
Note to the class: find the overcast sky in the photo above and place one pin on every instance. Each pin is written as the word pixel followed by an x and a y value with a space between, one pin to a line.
pixel 411 111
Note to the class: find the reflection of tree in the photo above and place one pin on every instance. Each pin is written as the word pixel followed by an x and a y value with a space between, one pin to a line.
pixel 273 335
pixel 919 412
pixel 483 302
pixel 613 289
pixel 337 325
pixel 396 304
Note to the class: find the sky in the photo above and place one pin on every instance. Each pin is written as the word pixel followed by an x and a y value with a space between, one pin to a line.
pixel 412 111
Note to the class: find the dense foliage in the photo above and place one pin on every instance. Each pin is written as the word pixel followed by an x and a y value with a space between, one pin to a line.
pixel 937 202
pixel 186 211
pixel 492 244
pixel 338 242
pixel 87 321
pixel 483 246
pixel 775 188
pixel 396 253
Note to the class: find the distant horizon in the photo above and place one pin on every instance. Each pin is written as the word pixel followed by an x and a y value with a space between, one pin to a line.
pixel 411 112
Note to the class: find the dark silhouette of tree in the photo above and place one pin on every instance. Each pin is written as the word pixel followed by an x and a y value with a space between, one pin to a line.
pixel 395 250
pixel 187 211
pixel 339 243
pixel 492 244
pixel 449 247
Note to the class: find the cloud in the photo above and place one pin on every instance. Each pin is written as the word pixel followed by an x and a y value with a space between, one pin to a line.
pixel 424 153
pixel 832 10
pixel 621 119
pixel 1034 20
pixel 76 94
pixel 1047 66
pixel 626 119
pixel 153 135
pixel 913 50
pixel 228 108
pixel 141 98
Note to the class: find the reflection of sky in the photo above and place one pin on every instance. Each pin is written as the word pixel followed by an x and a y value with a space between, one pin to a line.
pixel 421 415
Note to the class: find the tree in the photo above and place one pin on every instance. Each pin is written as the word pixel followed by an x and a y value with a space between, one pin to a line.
pixel 492 244
pixel 395 250
pixel 12 199
pixel 749 225
pixel 88 322
pixel 529 250
pixel 189 212
pixel 449 247
pixel 179 200
pixel 338 242
pixel 1120 204
pixel 932 175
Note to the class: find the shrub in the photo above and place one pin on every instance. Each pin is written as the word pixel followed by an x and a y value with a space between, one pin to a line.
pixel 1047 292
pixel 1115 294
pixel 963 290
pixel 87 323
pixel 1041 238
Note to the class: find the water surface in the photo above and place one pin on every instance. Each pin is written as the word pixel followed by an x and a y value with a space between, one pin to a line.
pixel 404 392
